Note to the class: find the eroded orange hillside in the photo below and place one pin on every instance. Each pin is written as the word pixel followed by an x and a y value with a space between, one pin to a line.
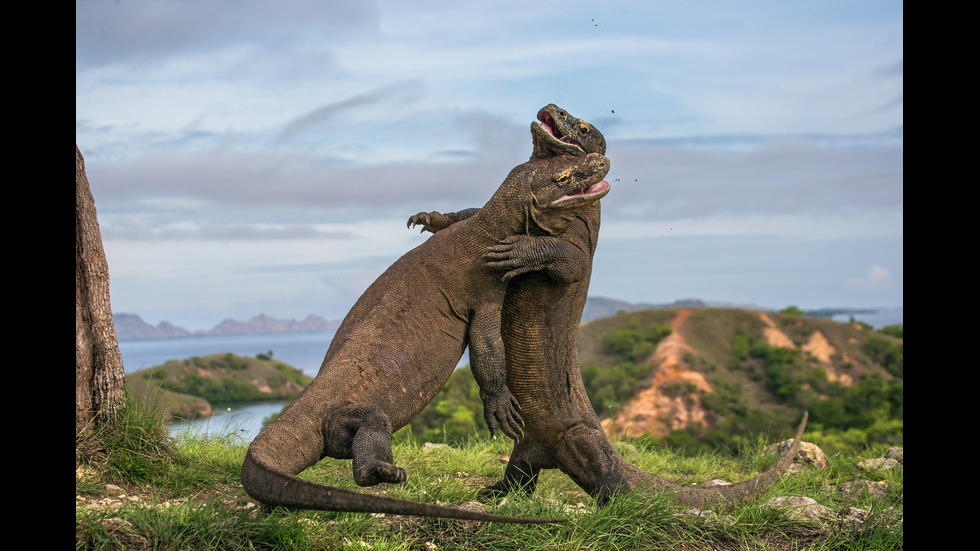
pixel 671 399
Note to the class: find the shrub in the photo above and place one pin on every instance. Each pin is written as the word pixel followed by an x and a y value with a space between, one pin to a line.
pixel 609 387
pixel 887 353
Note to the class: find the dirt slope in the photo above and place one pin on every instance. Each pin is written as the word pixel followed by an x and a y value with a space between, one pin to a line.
pixel 656 410
pixel 671 400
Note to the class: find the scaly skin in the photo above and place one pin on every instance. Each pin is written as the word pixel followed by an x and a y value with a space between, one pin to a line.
pixel 549 279
pixel 402 340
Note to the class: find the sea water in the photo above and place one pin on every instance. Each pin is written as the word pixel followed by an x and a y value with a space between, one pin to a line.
pixel 303 351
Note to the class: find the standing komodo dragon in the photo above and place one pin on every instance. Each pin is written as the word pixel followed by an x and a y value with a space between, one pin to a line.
pixel 541 316
pixel 402 340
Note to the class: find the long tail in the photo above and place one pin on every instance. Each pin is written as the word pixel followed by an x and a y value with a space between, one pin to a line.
pixel 272 487
pixel 732 494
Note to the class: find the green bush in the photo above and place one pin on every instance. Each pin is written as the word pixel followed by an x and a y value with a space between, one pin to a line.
pixel 896 331
pixel 635 343
pixel 783 370
pixel 791 311
pixel 454 415
pixel 610 387
pixel 220 390
pixel 887 353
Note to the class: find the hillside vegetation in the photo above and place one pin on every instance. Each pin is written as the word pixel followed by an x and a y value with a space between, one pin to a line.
pixel 187 388
pixel 695 379
pixel 720 378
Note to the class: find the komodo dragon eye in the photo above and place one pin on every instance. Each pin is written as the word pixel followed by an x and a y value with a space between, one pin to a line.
pixel 583 129
pixel 562 177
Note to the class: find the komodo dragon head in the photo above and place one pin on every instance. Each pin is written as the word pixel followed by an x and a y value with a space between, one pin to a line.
pixel 570 184
pixel 556 132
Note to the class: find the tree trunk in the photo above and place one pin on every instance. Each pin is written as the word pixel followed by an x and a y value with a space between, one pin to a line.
pixel 98 364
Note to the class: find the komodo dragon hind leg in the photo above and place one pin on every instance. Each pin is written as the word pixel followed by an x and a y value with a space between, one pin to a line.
pixel 589 459
pixel 586 456
pixel 362 432
pixel 526 461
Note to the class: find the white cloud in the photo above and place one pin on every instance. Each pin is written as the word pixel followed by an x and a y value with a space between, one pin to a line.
pixel 724 123
pixel 878 277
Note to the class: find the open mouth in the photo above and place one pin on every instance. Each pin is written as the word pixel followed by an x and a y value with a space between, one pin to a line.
pixel 584 193
pixel 548 123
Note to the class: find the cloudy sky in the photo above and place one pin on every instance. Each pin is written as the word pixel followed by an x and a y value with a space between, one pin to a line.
pixel 250 156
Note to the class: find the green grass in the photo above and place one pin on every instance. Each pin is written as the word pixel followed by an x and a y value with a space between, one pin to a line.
pixel 188 496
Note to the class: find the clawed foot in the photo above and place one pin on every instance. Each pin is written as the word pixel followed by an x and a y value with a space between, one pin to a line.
pixel 517 254
pixel 503 407
pixel 381 472
pixel 430 221
pixel 493 491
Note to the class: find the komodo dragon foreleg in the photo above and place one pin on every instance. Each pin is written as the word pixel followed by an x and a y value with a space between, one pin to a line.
pixel 490 371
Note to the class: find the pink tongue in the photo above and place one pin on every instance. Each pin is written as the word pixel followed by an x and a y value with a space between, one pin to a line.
pixel 548 123
pixel 587 190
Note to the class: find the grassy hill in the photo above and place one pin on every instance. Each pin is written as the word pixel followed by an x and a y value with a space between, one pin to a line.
pixel 730 374
pixel 186 388
pixel 718 378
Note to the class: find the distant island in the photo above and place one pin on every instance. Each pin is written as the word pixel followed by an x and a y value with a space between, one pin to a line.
pixel 132 327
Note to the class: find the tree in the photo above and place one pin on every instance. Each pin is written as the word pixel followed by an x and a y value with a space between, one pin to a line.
pixel 98 363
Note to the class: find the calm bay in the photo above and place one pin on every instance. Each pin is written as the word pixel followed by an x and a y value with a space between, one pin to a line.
pixel 303 351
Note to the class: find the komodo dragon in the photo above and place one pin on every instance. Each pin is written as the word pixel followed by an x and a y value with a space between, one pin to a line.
pixel 402 340
pixel 540 321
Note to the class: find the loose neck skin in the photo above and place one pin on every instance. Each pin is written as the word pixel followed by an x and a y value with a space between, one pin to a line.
pixel 498 218
pixel 514 209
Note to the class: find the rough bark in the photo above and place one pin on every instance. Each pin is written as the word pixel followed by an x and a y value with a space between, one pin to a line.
pixel 98 363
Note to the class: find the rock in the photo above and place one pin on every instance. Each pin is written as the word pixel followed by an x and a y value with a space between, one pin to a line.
pixel 809 454
pixel 716 482
pixel 432 446
pixel 469 506
pixel 896 453
pixel 802 508
pixel 852 516
pixel 879 464
pixel 860 488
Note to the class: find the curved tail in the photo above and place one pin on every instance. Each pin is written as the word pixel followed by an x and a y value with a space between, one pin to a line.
pixel 733 494
pixel 273 487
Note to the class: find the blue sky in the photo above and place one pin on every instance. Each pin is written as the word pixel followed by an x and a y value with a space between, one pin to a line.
pixel 252 156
